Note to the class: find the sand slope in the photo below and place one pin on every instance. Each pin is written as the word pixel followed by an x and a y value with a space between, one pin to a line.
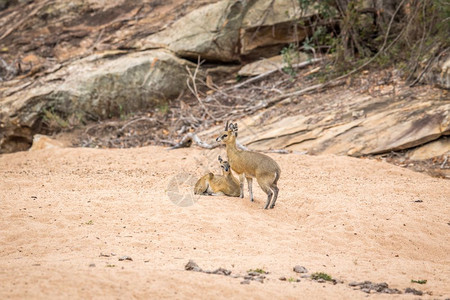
pixel 353 219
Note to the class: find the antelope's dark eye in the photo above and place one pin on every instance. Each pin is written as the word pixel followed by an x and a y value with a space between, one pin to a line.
pixel 225 135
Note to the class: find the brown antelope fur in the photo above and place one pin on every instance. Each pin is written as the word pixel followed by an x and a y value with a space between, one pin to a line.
pixel 225 184
pixel 251 165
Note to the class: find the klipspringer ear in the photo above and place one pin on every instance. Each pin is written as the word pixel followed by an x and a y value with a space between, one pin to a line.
pixel 235 129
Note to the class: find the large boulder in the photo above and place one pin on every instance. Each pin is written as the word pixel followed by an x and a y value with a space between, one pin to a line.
pixel 97 87
pixel 230 29
pixel 211 32
pixel 269 25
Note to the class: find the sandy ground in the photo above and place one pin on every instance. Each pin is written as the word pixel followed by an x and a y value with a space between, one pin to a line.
pixel 354 219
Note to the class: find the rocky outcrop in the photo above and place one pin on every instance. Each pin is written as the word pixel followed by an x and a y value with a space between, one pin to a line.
pixel 97 87
pixel 355 124
pixel 231 29
pixel 378 127
pixel 41 142
pixel 269 25
pixel 114 82
pixel 211 32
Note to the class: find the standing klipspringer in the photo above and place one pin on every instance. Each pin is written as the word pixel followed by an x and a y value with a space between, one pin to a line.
pixel 251 165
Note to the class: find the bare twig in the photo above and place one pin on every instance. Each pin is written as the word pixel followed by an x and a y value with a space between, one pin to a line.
pixel 304 91
pixel 253 79
pixel 190 138
pixel 279 151
pixel 379 51
pixel 427 66
pixel 136 120
pixel 193 88
pixel 445 161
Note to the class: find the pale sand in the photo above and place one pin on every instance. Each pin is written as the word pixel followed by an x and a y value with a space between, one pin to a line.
pixel 353 219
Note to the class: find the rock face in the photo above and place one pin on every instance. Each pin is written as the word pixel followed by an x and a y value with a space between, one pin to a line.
pixel 269 64
pixel 230 29
pixel 41 142
pixel 211 32
pixel 349 123
pixel 115 82
pixel 269 25
pixel 379 127
pixel 96 87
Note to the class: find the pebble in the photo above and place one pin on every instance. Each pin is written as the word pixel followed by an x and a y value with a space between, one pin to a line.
pixel 300 269
pixel 259 279
pixel 125 257
pixel 222 271
pixel 413 291
pixel 368 287
pixel 192 266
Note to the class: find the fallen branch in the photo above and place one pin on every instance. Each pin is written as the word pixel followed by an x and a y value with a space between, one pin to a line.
pixel 427 66
pixel 279 98
pixel 190 138
pixel 253 79
pixel 137 120
pixel 193 88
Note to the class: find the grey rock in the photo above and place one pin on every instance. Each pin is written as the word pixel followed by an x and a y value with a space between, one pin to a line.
pixel 368 287
pixel 258 279
pixel 192 266
pixel 125 257
pixel 257 29
pixel 96 87
pixel 413 291
pixel 221 271
pixel 300 269
pixel 216 38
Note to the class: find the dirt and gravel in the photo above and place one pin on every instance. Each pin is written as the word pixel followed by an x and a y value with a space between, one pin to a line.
pixel 124 223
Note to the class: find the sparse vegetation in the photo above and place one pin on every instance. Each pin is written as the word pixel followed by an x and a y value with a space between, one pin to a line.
pixel 408 34
pixel 53 120
pixel 420 281
pixel 321 275
pixel 290 54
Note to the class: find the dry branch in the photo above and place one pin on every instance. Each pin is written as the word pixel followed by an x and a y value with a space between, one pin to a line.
pixel 193 88
pixel 253 79
pixel 190 138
